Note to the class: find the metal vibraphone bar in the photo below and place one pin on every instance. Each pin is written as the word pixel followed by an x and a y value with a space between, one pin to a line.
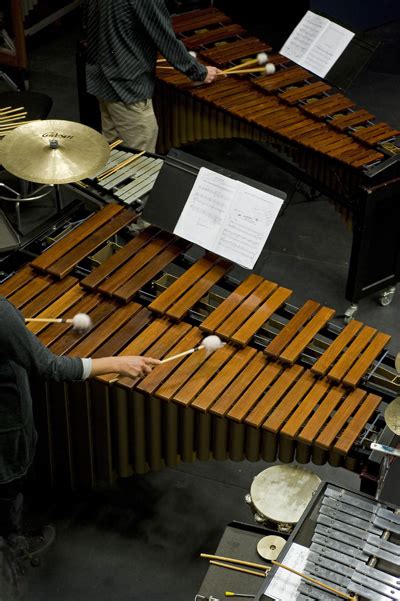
pixel 305 126
pixel 281 387
pixel 351 548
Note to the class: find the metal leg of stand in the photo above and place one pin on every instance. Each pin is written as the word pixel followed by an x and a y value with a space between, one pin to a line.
pixel 8 80
pixel 58 198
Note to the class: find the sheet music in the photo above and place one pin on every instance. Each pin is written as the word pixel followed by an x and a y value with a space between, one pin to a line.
pixel 316 43
pixel 228 217
pixel 284 584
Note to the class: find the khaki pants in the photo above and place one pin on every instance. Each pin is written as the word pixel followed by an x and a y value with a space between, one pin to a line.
pixel 135 124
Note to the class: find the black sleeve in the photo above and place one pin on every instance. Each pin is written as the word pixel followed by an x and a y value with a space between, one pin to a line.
pixel 18 344
pixel 154 17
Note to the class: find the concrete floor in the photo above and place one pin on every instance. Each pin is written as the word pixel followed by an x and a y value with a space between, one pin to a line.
pixel 141 540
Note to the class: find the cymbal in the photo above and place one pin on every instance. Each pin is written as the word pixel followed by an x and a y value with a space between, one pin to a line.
pixel 54 152
pixel 392 415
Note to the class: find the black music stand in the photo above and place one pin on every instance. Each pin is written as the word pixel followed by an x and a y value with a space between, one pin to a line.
pixel 354 57
pixel 175 182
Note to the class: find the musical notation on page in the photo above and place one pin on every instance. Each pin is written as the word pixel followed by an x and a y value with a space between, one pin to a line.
pixel 316 43
pixel 228 217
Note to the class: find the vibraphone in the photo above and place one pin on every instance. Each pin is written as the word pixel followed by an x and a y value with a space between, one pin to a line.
pixel 306 127
pixel 287 384
pixel 127 177
pixel 350 543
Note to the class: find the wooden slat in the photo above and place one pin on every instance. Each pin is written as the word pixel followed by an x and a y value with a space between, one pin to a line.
pixel 279 416
pixel 104 271
pixel 135 263
pixel 321 416
pixel 235 299
pixel 190 338
pixel 196 40
pixel 349 405
pixel 337 346
pixel 236 390
pixel 283 78
pixel 57 308
pixel 305 408
pixel 293 95
pixel 48 296
pixel 286 380
pixel 357 424
pixel 122 337
pixel 245 310
pixel 362 364
pixel 212 376
pixel 59 249
pixel 246 332
pixel 69 260
pixel 297 346
pixel 65 343
pixel 255 392
pixel 224 378
pixel 17 280
pixel 99 335
pixel 33 288
pixel 290 330
pixel 127 291
pixel 342 366
pixel 196 292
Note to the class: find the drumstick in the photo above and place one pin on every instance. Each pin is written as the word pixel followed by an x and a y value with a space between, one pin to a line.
pixel 12 117
pixel 119 166
pixel 116 143
pixel 210 344
pixel 262 59
pixel 6 110
pixel 241 562
pixel 80 321
pixel 315 581
pixel 226 565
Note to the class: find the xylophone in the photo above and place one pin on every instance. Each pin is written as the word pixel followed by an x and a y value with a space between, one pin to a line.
pixel 286 385
pixel 305 125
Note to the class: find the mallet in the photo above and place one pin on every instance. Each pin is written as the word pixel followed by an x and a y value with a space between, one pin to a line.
pixel 268 69
pixel 80 322
pixel 262 59
pixel 209 344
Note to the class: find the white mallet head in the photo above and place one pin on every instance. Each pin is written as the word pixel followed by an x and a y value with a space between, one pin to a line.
pixel 193 53
pixel 81 322
pixel 212 343
pixel 262 58
pixel 270 68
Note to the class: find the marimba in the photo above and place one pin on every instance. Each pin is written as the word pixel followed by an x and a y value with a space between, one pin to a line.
pixel 306 127
pixel 286 385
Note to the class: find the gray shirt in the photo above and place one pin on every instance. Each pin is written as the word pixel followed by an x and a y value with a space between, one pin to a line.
pixel 22 356
pixel 123 39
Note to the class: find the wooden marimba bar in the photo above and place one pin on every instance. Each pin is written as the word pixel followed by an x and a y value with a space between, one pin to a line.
pixel 245 401
pixel 322 131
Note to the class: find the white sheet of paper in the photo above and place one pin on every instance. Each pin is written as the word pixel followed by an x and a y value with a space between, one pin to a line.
pixel 316 43
pixel 284 584
pixel 228 217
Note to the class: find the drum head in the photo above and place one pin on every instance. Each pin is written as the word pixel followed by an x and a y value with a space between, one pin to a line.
pixel 269 547
pixel 282 492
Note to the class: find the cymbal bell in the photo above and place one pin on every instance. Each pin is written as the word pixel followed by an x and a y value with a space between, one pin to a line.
pixel 397 363
pixel 54 152
pixel 392 416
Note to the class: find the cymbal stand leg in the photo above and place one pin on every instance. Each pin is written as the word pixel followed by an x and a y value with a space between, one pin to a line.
pixel 383 472
pixel 59 201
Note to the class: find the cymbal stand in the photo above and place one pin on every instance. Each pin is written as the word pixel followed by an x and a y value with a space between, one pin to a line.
pixel 34 195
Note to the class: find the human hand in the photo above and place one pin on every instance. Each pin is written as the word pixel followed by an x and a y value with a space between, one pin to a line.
pixel 134 366
pixel 212 74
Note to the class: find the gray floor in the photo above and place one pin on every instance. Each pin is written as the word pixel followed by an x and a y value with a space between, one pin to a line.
pixel 142 539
